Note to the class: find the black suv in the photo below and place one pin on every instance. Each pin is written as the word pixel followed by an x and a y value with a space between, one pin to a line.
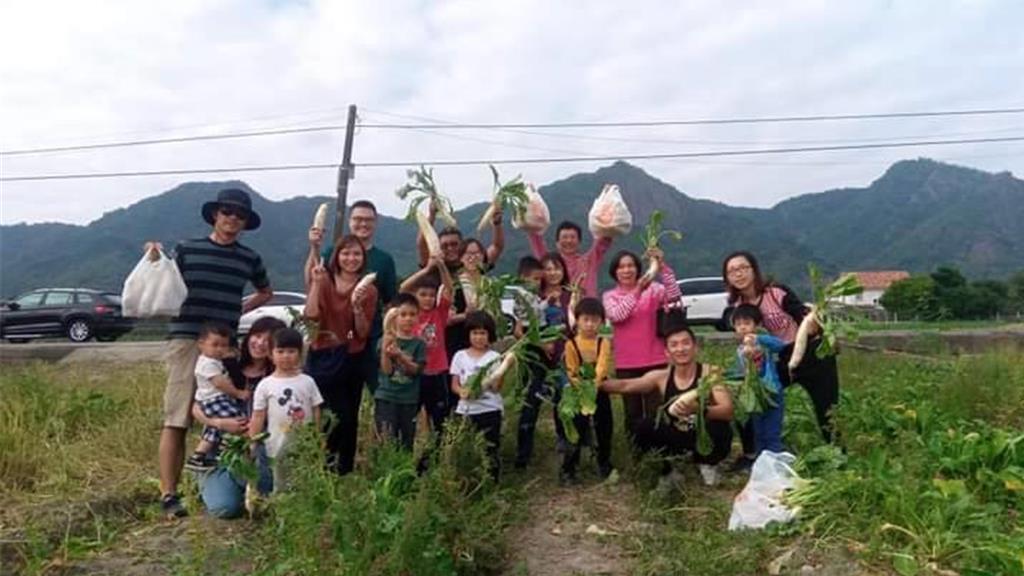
pixel 78 313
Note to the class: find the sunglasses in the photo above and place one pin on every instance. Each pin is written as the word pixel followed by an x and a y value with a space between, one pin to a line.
pixel 240 213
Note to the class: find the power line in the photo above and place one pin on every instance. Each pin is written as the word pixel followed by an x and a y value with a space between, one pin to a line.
pixel 700 142
pixel 561 160
pixel 127 143
pixel 462 126
pixel 709 121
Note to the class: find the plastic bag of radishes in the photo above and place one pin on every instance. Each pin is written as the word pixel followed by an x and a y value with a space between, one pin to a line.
pixel 609 216
pixel 761 500
pixel 536 217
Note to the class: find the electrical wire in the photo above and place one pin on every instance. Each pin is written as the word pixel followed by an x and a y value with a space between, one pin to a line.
pixel 708 121
pixel 462 126
pixel 507 161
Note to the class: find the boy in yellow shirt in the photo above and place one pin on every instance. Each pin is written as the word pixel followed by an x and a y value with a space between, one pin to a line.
pixel 586 346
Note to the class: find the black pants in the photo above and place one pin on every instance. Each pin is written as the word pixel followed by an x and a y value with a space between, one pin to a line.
pixel 435 398
pixel 489 424
pixel 819 377
pixel 673 442
pixel 396 422
pixel 639 407
pixel 339 376
pixel 536 392
pixel 603 426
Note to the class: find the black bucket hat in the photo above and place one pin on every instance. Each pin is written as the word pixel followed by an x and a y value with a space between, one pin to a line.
pixel 232 197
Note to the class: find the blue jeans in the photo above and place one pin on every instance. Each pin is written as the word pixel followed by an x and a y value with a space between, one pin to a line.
pixel 224 495
pixel 768 427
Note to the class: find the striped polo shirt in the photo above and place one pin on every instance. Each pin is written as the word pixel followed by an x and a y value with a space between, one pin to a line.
pixel 216 276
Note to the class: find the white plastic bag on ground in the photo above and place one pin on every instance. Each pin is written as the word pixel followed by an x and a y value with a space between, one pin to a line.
pixel 609 216
pixel 537 218
pixel 760 502
pixel 154 288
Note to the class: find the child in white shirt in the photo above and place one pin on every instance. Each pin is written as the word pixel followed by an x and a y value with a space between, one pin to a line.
pixel 284 400
pixel 485 411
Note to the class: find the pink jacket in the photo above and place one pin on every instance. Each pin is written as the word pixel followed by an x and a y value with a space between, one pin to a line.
pixel 577 264
pixel 634 320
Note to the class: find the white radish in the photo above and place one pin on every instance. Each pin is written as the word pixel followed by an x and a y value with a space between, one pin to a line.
pixel 469 291
pixel 429 234
pixel 803 334
pixel 391 322
pixel 488 215
pixel 365 281
pixel 497 371
pixel 652 271
pixel 684 403
pixel 320 218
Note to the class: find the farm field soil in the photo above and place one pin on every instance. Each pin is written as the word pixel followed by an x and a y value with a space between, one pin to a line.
pixel 931 481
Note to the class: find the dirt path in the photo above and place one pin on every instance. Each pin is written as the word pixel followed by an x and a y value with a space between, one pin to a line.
pixel 574 529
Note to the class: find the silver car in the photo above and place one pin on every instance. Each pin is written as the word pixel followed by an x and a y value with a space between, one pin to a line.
pixel 276 308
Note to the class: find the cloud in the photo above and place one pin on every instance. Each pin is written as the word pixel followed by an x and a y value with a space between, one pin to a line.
pixel 80 72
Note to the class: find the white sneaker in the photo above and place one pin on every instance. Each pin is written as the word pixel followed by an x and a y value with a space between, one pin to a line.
pixel 709 474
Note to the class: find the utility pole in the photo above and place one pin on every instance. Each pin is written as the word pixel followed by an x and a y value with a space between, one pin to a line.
pixel 345 173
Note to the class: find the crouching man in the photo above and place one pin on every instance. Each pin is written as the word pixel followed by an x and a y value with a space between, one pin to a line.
pixel 673 430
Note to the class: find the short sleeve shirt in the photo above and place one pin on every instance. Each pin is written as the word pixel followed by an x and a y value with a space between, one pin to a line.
pixel 206 370
pixel 289 403
pixel 399 387
pixel 431 328
pixel 465 366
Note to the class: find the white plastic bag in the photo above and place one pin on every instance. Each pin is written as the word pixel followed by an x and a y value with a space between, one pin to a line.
pixel 153 289
pixel 760 502
pixel 537 218
pixel 609 216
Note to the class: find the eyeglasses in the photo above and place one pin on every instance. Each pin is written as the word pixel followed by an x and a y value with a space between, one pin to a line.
pixel 738 269
pixel 229 211
pixel 362 220
pixel 455 244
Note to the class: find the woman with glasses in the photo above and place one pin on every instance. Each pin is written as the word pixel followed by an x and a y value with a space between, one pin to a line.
pixel 783 311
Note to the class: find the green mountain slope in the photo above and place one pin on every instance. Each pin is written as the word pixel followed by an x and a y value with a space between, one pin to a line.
pixel 918 215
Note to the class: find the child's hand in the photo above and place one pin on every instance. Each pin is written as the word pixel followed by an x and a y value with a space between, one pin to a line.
pixel 319 274
pixel 750 340
pixel 464 393
pixel 316 237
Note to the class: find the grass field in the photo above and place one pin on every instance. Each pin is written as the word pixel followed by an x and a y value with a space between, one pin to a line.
pixel 931 482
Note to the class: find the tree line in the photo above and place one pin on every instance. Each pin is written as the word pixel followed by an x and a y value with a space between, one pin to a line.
pixel 946 294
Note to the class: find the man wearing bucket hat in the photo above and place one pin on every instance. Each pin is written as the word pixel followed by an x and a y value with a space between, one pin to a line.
pixel 216 269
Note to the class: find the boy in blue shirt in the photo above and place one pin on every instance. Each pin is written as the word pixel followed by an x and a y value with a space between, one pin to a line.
pixel 762 350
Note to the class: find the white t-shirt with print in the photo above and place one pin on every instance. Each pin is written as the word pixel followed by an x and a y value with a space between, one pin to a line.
pixel 289 402
pixel 206 370
pixel 464 366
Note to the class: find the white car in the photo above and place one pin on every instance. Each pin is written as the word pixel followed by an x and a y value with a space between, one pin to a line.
pixel 276 308
pixel 706 301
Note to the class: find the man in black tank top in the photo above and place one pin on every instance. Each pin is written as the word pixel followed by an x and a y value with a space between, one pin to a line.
pixel 676 433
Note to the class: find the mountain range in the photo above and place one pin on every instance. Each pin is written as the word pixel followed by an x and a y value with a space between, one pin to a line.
pixel 918 215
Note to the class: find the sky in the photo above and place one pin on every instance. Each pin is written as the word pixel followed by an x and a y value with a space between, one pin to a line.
pixel 90 72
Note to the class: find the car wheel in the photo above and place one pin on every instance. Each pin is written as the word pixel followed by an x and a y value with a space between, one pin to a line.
pixel 79 330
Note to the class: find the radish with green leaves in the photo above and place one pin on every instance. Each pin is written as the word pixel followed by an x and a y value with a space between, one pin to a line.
pixel 422 188
pixel 824 315
pixel 510 197
pixel 650 238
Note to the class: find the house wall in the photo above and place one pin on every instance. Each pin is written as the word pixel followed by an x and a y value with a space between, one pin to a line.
pixel 865 298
